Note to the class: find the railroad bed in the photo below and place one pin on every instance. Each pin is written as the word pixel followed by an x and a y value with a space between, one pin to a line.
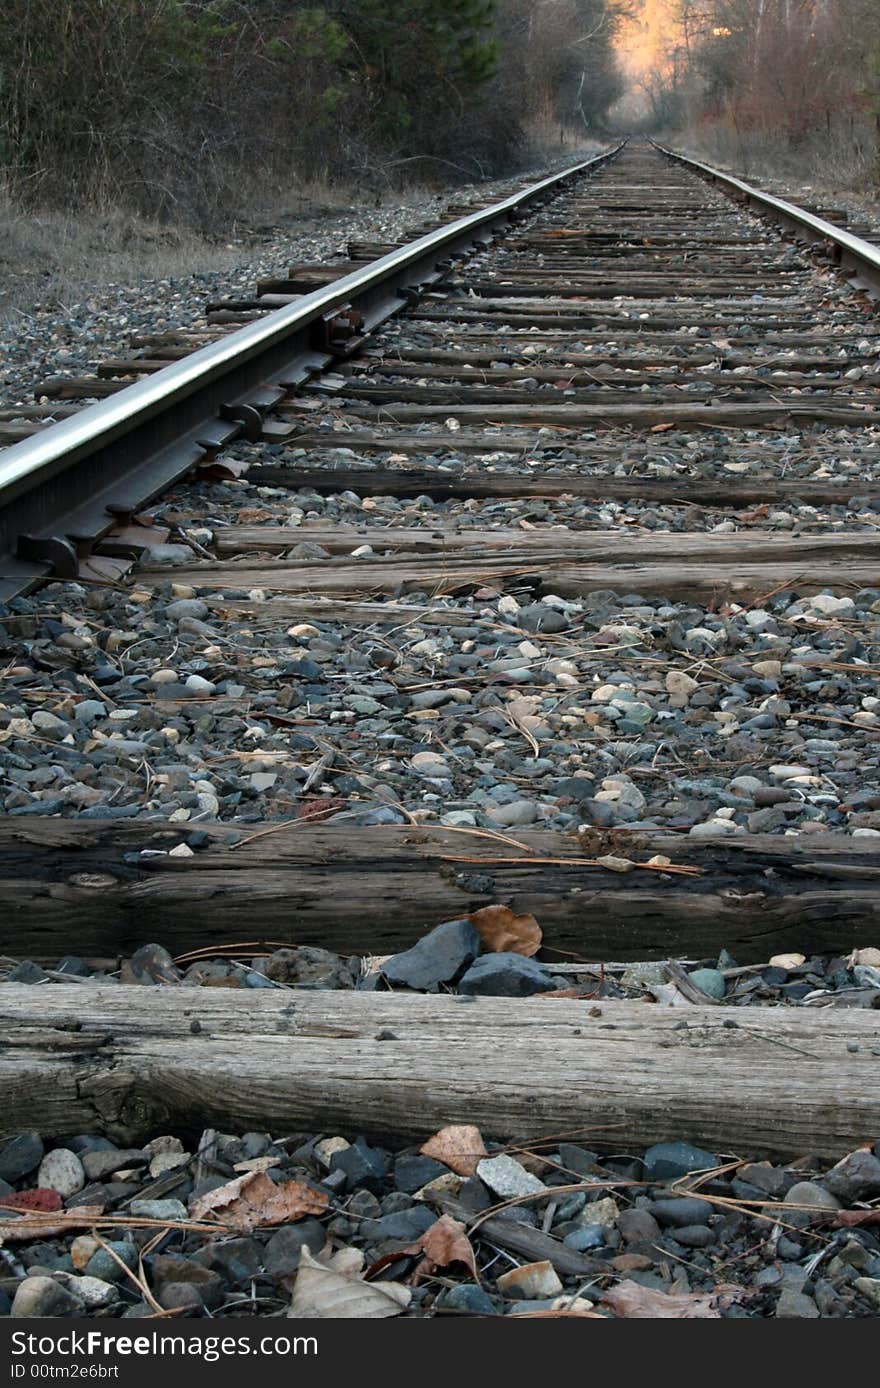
pixel 545 605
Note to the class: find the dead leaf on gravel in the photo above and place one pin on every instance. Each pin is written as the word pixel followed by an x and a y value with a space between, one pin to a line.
pixel 502 930
pixel 38 1225
pixel 459 1146
pixel 253 1199
pixel 443 1245
pixel 323 1293
pixel 854 1219
pixel 631 1299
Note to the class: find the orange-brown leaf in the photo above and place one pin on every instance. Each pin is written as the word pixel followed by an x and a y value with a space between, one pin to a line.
pixel 501 929
pixel 459 1146
pixel 253 1200
pixel 443 1244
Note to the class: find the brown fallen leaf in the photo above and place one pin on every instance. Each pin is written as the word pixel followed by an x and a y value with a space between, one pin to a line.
pixel 459 1146
pixel 854 1219
pixel 502 930
pixel 631 1299
pixel 661 428
pixel 253 1199
pixel 442 1245
pixel 324 1293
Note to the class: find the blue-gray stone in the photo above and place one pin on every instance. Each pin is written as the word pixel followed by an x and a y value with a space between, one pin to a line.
pixel 412 1171
pixel 694 1236
pixel 681 1211
pixel 406 1224
pixel 284 1249
pixel 587 1237
pixel 103 1265
pixel 439 957
pixel 666 1161
pixel 20 1155
pixel 361 1165
pixel 467 1296
pixel 237 1260
pixel 507 975
pixel 709 981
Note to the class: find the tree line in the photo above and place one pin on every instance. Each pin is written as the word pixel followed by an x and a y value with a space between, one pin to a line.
pixel 178 104
pixel 796 71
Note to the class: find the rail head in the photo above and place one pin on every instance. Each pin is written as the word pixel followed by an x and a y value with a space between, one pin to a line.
pixel 852 252
pixel 170 414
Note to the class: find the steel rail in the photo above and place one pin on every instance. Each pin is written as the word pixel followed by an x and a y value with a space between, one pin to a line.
pixel 64 488
pixel 849 251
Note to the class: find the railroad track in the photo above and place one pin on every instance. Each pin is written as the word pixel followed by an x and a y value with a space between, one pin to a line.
pixel 554 588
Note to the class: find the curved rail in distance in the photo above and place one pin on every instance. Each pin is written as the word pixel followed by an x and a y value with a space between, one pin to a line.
pixel 850 251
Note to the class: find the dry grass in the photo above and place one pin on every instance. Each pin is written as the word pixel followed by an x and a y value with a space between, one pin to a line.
pixel 52 258
pixel 55 257
pixel 841 161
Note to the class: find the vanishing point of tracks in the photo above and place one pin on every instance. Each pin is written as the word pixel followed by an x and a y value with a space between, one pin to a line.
pixel 636 432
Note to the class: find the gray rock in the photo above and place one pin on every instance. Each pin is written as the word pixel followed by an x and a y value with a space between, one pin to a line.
pixel 406 1224
pixel 709 981
pixel 361 1165
pixel 170 555
pixel 694 1236
pixel 794 1305
pixel 681 1211
pixel 92 1292
pixel 439 957
pixel 105 1268
pixel 857 1177
pixel 99 1165
pixel 159 1209
pixel 577 788
pixel 507 1177
pixel 176 1296
pixel 537 616
pixel 310 966
pixel 236 1260
pixel 20 1155
pixel 187 607
pixel 61 1170
pixel 27 972
pixel 638 1226
pixel 812 1197
pixel 589 1236
pixel 507 975
pixel 467 1296
pixel 412 1171
pixel 171 1270
pixel 284 1249
pixel 43 1296
pixel 666 1161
